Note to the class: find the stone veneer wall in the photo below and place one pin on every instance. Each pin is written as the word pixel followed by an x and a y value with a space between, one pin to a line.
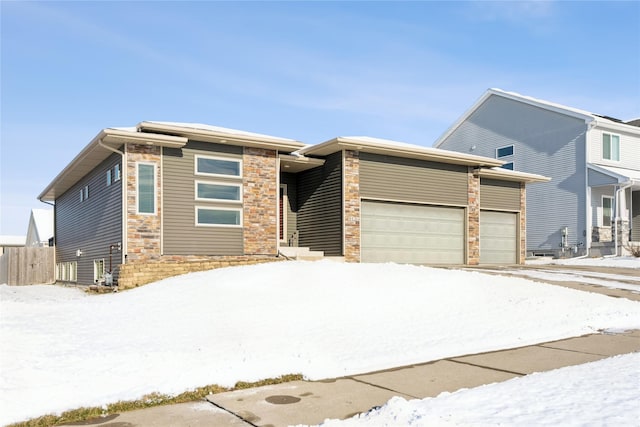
pixel 523 223
pixel 260 201
pixel 141 273
pixel 473 218
pixel 351 180
pixel 143 231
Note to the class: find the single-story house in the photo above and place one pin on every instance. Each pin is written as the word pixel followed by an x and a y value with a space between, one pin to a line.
pixel 142 202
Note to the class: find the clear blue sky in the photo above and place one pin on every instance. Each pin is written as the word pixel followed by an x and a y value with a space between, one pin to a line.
pixel 304 70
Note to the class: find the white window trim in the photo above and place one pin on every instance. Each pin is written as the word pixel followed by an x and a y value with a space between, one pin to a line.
pixel 230 184
pixel 155 188
pixel 216 208
pixel 602 212
pixel 611 135
pixel 95 268
pixel 508 155
pixel 117 173
pixel 227 159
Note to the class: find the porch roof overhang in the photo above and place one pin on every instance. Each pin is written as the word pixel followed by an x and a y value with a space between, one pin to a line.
pixel 624 177
pixel 294 164
pixel 104 144
pixel 398 149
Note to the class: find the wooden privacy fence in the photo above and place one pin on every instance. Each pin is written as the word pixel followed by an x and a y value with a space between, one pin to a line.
pixel 28 266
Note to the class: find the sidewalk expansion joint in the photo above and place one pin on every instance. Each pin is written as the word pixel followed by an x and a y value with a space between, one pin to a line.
pixel 238 416
pixel 383 388
pixel 572 351
pixel 521 374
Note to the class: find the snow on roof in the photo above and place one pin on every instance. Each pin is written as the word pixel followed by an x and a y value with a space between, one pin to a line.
pixel 43 219
pixel 218 129
pixel 12 240
pixel 381 141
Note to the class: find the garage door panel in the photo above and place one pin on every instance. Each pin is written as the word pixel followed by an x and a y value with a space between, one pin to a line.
pixel 498 237
pixel 415 234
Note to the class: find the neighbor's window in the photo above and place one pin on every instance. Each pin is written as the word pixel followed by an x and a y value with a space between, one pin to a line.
pixel 98 269
pixel 218 191
pixel 116 172
pixel 507 166
pixel 84 193
pixel 607 210
pixel 146 188
pixel 218 166
pixel 610 147
pixel 108 177
pixel 219 217
pixel 504 151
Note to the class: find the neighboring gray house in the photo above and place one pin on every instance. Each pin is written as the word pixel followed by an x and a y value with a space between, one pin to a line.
pixel 592 203
pixel 162 198
pixel 40 230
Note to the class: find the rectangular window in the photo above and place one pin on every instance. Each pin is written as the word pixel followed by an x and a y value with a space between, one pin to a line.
pixel 218 166
pixel 67 271
pixel 146 188
pixel 218 191
pixel 610 147
pixel 504 151
pixel 84 193
pixel 98 269
pixel 116 173
pixel 507 166
pixel 607 210
pixel 219 217
pixel 108 177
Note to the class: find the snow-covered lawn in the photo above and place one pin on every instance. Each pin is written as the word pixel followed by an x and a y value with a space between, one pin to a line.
pixel 617 262
pixel 602 393
pixel 62 349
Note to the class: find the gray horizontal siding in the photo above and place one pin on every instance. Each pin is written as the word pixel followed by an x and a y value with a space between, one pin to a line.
pixel 546 143
pixel 91 225
pixel 396 178
pixel 320 207
pixel 181 236
pixel 499 195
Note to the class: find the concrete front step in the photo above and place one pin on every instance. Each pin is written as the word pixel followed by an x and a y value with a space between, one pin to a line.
pixel 301 253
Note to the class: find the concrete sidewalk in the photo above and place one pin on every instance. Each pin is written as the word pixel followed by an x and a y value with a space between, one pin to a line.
pixel 306 402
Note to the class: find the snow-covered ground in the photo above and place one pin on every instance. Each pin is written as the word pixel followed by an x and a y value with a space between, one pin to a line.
pixel 602 393
pixel 618 262
pixel 62 349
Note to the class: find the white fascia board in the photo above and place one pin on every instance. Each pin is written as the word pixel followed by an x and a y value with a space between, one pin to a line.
pixel 398 149
pixel 509 175
pixel 222 135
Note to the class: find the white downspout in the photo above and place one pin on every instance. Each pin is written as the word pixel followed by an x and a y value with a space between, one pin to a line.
pixel 123 183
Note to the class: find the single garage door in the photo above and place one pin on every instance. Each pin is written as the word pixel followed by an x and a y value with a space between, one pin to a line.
pixel 498 237
pixel 411 234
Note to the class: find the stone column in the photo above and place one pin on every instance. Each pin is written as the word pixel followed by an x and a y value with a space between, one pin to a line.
pixel 351 182
pixel 143 230
pixel 260 201
pixel 523 224
pixel 473 217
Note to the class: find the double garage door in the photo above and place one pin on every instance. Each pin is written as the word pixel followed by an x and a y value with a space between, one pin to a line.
pixel 412 234
pixel 420 234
